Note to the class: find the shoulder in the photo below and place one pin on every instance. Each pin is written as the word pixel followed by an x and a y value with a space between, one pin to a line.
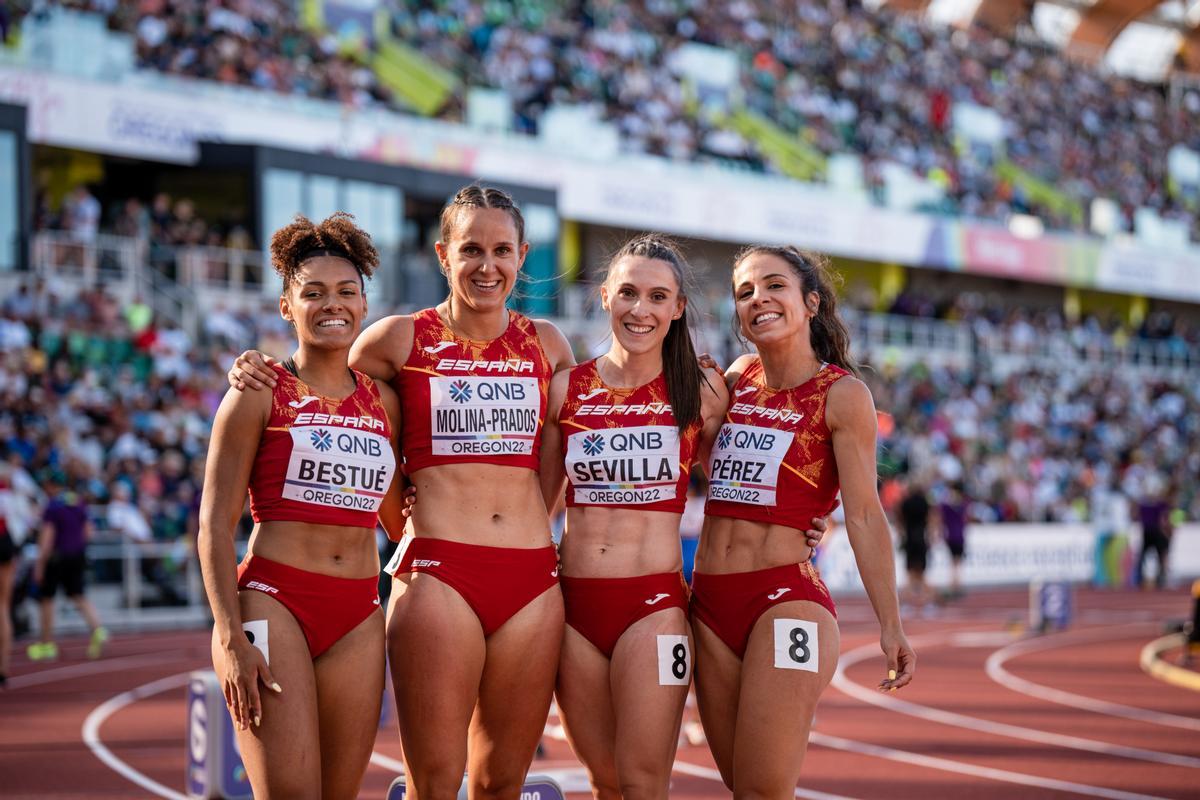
pixel 849 404
pixel 245 410
pixel 559 385
pixel 739 367
pixel 384 346
pixel 554 343
pixel 390 327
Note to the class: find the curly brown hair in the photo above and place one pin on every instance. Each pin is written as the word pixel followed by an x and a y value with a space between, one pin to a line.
pixel 337 235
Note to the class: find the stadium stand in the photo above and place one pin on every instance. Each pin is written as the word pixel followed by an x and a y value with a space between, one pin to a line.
pixel 814 80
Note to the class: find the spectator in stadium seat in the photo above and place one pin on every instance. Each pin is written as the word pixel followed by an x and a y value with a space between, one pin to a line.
pixel 62 563
pixel 766 635
pixel 318 457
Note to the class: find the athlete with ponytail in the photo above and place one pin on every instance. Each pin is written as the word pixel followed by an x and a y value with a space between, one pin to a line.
pixel 474 627
pixel 799 430
pixel 298 639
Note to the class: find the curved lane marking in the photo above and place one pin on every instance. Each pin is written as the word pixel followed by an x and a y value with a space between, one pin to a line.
pixel 1155 666
pixel 89 668
pixel 996 671
pixel 872 697
pixel 91 732
pixel 948 765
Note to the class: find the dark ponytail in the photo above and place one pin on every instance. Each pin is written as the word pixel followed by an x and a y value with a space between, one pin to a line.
pixel 828 335
pixel 681 370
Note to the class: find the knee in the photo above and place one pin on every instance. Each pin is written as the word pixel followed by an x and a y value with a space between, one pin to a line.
pixel 644 784
pixel 497 786
pixel 436 784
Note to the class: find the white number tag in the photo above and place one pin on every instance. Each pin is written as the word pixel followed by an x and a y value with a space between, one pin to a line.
pixel 256 632
pixel 674 660
pixel 796 645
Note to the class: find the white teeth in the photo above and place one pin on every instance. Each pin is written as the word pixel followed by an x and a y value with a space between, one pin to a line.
pixel 332 323
pixel 489 285
pixel 639 328
pixel 766 316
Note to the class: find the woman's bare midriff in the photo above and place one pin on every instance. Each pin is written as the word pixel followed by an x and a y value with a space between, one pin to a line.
pixel 335 550
pixel 619 543
pixel 737 545
pixel 480 504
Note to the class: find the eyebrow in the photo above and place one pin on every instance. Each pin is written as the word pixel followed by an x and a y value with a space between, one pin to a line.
pixel 627 284
pixel 322 283
pixel 469 242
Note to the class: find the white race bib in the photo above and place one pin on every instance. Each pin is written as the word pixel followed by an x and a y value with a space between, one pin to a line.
pixel 473 415
pixel 624 466
pixel 745 463
pixel 339 467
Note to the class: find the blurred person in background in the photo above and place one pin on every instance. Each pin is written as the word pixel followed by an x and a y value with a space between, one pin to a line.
pixel 62 563
pixel 1154 512
pixel 952 528
pixel 914 521
pixel 9 553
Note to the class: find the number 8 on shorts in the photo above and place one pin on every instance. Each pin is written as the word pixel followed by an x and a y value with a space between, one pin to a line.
pixel 796 645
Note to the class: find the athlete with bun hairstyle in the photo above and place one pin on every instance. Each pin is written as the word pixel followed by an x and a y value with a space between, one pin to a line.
pixel 298 639
pixel 474 627
pixel 800 428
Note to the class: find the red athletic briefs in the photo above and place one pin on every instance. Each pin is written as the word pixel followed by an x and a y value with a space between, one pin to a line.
pixel 326 607
pixel 602 609
pixel 496 582
pixel 730 604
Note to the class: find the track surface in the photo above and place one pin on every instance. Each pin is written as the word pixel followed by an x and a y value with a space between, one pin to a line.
pixel 992 714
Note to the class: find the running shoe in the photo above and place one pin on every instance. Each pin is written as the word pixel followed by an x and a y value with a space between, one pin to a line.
pixel 42 651
pixel 99 637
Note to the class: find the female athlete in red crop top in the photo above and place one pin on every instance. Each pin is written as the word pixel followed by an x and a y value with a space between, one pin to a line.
pixel 625 458
pixel 301 613
pixel 474 627
pixel 799 428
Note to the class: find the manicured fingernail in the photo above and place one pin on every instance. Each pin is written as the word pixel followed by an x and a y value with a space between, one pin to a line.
pixel 258 720
pixel 276 687
pixel 891 674
pixel 892 689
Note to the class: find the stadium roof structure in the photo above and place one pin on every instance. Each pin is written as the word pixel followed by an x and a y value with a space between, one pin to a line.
pixel 1145 39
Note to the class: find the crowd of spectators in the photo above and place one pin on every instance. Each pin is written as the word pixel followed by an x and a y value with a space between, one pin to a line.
pixel 163 221
pixel 842 77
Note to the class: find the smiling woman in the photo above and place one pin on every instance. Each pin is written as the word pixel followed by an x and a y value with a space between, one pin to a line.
pixel 300 615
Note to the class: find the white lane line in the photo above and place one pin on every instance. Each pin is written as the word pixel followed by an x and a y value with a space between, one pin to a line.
pixel 891 703
pixel 695 770
pixel 698 771
pixel 948 765
pixel 91 667
pixel 387 762
pixel 91 732
pixel 996 671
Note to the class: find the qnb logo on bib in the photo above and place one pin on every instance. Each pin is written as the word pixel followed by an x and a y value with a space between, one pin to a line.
pixel 745 463
pixel 624 466
pixel 339 467
pixel 477 415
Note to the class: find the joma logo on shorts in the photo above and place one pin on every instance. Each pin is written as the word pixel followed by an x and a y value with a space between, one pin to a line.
pixel 262 587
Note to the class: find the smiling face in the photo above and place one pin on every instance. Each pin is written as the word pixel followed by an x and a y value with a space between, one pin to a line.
pixel 482 257
pixel 642 297
pixel 325 302
pixel 771 303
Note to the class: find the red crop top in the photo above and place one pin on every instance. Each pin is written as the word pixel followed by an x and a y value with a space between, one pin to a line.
pixel 622 447
pixel 465 401
pixel 321 460
pixel 773 458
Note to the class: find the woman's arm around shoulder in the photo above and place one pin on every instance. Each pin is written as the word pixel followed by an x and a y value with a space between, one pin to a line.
pixel 384 347
pixel 555 345
pixel 736 369
pixel 391 509
pixel 551 473
pixel 714 402
pixel 850 416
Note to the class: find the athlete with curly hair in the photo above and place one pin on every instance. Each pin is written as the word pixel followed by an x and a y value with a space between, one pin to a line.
pixel 298 639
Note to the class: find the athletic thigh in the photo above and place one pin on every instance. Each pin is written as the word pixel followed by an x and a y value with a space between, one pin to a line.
pixel 349 692
pixel 718 673
pixel 791 658
pixel 7 573
pixel 650 673
pixel 585 705
pixel 514 697
pixel 282 755
pixel 436 651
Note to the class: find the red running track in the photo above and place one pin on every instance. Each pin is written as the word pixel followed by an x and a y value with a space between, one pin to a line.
pixel 992 714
